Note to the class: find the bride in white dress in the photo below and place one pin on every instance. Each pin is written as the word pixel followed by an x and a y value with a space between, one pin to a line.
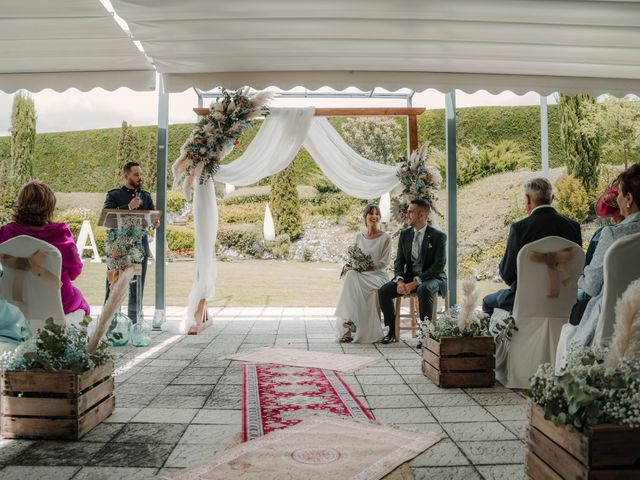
pixel 357 318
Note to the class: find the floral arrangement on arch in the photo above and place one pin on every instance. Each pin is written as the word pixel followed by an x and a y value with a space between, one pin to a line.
pixel 215 135
pixel 597 385
pixel 418 181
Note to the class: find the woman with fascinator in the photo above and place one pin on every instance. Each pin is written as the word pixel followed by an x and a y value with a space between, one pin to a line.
pixel 586 313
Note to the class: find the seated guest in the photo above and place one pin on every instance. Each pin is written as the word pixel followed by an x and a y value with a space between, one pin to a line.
pixel 542 221
pixel 607 208
pixel 585 313
pixel 12 326
pixel 32 216
pixel 419 267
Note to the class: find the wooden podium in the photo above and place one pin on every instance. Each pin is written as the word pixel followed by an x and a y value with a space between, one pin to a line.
pixel 109 217
pixel 112 218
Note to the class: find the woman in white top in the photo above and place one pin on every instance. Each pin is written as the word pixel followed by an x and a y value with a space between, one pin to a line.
pixel 357 317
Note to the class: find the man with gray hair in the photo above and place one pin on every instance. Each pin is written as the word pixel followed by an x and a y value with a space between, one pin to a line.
pixel 542 221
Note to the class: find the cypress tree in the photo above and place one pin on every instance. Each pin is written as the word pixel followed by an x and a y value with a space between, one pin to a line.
pixel 582 150
pixel 23 141
pixel 150 168
pixel 285 204
pixel 128 149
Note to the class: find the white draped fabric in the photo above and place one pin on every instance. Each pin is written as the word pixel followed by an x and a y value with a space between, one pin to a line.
pixel 352 173
pixel 274 147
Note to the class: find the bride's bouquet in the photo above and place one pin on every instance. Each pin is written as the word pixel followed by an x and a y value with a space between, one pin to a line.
pixel 357 260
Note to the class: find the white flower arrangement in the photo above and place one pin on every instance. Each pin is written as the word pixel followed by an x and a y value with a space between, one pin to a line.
pixel 597 385
pixel 357 260
pixel 124 244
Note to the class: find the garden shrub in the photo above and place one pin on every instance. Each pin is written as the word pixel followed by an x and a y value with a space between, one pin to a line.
pixel 180 238
pixel 474 163
pixel 324 185
pixel 244 199
pixel 279 247
pixel 175 201
pixel 247 213
pixel 242 238
pixel 571 198
pixel 285 204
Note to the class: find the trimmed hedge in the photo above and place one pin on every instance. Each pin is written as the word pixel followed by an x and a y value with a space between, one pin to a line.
pixel 87 157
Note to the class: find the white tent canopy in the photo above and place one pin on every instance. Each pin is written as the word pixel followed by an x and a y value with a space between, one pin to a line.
pixel 544 46
pixel 63 44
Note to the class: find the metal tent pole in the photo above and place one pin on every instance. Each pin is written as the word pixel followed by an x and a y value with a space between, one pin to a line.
pixel 161 203
pixel 452 212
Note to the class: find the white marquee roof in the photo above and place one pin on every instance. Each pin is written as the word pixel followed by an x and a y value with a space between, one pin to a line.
pixel 539 45
pixel 61 44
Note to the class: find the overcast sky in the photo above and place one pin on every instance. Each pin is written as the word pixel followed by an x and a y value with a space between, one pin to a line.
pixel 75 110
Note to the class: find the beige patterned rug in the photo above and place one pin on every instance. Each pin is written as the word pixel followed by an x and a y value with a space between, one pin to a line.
pixel 303 358
pixel 327 448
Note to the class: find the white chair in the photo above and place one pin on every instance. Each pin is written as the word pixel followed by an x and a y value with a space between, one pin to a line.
pixel 538 315
pixel 36 290
pixel 621 267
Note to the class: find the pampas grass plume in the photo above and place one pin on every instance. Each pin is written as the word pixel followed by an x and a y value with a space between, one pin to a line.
pixel 626 336
pixel 118 291
pixel 470 297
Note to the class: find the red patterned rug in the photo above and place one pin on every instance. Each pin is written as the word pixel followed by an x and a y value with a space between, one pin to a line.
pixel 279 396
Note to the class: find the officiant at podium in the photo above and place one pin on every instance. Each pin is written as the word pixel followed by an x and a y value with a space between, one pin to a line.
pixel 130 196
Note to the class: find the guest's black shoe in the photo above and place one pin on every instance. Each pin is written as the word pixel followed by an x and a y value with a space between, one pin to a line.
pixel 388 339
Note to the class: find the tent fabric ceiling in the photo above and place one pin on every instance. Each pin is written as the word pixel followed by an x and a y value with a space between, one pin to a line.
pixel 537 45
pixel 63 44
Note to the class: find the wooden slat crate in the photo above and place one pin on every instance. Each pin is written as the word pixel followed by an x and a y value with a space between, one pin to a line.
pixel 601 452
pixel 60 405
pixel 459 361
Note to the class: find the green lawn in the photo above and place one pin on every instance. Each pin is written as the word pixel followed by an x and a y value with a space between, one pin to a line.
pixel 250 283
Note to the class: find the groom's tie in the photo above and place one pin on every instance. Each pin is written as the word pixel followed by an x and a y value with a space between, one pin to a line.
pixel 415 246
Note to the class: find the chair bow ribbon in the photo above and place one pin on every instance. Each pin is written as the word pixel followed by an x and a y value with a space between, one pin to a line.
pixel 32 264
pixel 557 266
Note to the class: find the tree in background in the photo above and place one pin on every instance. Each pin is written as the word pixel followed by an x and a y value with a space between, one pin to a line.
pixel 582 148
pixel 285 204
pixel 150 168
pixel 375 138
pixel 617 122
pixel 23 141
pixel 128 150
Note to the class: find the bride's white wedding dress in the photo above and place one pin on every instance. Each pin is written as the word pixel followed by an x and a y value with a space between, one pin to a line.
pixel 356 300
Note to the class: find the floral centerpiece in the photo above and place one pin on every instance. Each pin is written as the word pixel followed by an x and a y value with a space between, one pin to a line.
pixel 597 385
pixel 124 244
pixel 465 321
pixel 215 134
pixel 356 260
pixel 57 348
pixel 418 181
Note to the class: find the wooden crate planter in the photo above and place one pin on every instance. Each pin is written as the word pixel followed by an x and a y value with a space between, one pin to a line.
pixel 60 405
pixel 460 361
pixel 601 452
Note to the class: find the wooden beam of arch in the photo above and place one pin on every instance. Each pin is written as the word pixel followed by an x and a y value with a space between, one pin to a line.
pixel 411 113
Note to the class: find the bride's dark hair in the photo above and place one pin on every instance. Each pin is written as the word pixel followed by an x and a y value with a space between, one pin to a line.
pixel 368 209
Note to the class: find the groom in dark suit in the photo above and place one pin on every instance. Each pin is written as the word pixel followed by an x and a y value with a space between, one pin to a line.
pixel 419 267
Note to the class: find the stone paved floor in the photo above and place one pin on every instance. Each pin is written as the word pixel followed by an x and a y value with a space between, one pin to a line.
pixel 178 403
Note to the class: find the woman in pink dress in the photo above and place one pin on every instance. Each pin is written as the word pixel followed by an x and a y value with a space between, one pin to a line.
pixel 32 215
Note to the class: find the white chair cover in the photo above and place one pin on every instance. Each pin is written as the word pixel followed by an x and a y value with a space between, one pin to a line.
pixel 621 267
pixel 538 317
pixel 41 299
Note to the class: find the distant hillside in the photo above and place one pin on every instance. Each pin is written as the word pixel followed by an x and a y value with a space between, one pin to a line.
pixel 83 160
